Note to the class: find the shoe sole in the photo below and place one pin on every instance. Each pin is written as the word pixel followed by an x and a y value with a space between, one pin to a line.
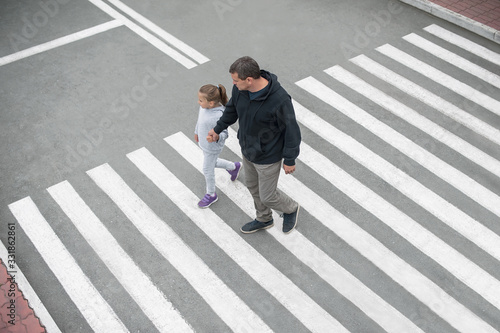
pixel 251 232
pixel 210 204
pixel 296 221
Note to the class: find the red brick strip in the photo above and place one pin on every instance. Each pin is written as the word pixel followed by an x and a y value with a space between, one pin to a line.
pixel 486 12
pixel 16 316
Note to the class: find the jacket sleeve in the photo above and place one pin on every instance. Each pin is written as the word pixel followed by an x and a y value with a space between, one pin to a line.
pixel 230 115
pixel 287 120
pixel 223 135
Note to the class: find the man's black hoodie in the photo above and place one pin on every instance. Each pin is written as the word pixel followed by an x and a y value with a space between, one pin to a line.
pixel 268 130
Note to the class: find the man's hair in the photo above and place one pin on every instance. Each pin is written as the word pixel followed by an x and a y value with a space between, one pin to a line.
pixel 245 67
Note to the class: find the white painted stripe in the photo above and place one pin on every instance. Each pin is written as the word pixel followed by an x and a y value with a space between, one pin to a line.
pixel 59 42
pixel 429 98
pixel 465 270
pixel 231 309
pixel 271 279
pixel 464 43
pixel 416 119
pixel 34 301
pixel 149 298
pixel 400 271
pixel 442 78
pixel 446 212
pixel 200 58
pixel 153 40
pixel 458 179
pixel 348 285
pixel 454 59
pixel 87 299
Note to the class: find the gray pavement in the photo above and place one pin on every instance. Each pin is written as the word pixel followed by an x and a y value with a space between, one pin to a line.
pixel 78 106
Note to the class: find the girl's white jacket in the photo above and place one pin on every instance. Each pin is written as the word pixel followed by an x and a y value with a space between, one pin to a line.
pixel 207 119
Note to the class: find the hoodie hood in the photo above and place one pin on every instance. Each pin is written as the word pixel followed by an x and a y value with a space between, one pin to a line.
pixel 268 130
pixel 272 86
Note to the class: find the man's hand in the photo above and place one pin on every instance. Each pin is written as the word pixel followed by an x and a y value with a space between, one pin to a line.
pixel 212 136
pixel 288 169
pixel 196 138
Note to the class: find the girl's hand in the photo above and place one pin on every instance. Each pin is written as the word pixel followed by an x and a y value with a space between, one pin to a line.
pixel 196 138
pixel 212 136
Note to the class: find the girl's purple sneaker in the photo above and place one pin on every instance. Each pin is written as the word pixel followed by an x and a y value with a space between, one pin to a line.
pixel 234 173
pixel 207 200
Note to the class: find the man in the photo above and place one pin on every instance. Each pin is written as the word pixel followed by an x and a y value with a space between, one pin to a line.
pixel 269 136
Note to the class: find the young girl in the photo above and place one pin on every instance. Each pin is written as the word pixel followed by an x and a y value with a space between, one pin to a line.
pixel 212 100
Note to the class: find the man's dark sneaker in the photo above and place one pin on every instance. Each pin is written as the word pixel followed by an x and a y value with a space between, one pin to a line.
pixel 290 221
pixel 234 173
pixel 207 200
pixel 256 226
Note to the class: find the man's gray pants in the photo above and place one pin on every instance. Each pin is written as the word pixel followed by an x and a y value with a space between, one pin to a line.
pixel 262 182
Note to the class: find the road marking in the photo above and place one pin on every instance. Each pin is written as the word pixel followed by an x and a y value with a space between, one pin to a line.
pixel 348 285
pixel 454 59
pixel 464 43
pixel 446 212
pixel 231 309
pixel 400 271
pixel 200 58
pixel 465 270
pixel 149 298
pixel 411 116
pixel 153 40
pixel 60 42
pixel 427 97
pixel 458 179
pixel 295 300
pixel 33 299
pixel 444 79
pixel 99 315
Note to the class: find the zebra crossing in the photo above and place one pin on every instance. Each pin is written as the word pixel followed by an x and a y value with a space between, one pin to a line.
pixel 274 282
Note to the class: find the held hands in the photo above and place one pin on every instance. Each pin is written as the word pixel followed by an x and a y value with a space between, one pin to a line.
pixel 212 136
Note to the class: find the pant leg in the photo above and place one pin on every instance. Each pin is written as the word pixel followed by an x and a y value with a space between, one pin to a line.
pixel 224 164
pixel 263 213
pixel 270 196
pixel 209 162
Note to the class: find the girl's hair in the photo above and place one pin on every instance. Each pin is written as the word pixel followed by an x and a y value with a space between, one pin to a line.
pixel 215 93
